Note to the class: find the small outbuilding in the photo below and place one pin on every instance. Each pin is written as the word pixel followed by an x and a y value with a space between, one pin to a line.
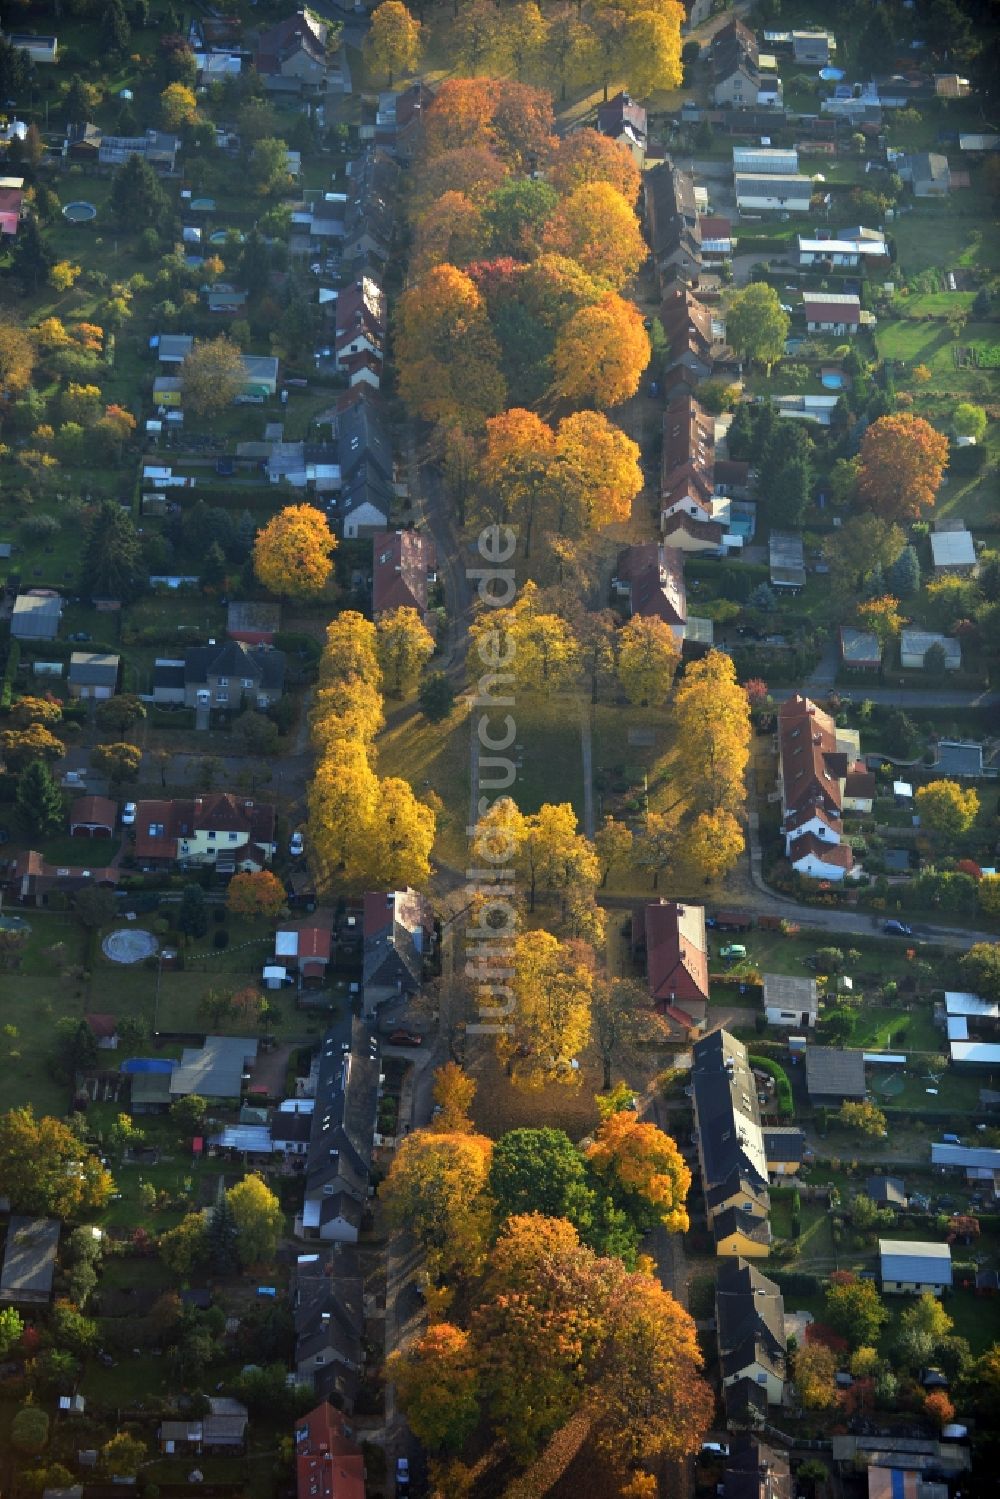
pixel 790 1000
pixel 36 615
pixel 93 674
pixel 834 1074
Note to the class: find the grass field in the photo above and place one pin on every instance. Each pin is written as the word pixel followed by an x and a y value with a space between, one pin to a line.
pixel 943 236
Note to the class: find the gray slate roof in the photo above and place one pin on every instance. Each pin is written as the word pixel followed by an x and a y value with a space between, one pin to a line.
pixel 29 1260
pixel 833 1073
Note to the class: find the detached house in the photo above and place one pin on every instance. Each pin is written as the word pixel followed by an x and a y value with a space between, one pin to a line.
pixel 219 829
pixel 292 56
pixel 738 81
pixel 672 937
pixel 651 578
pixel 404 567
pixel 398 938
pixel 624 121
pixel 831 312
pixel 231 676
pixel 815 760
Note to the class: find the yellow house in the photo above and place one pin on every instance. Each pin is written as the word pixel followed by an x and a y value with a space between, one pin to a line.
pixel 739 1233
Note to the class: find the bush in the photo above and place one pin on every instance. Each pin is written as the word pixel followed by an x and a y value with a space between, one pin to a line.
pixel 782 1085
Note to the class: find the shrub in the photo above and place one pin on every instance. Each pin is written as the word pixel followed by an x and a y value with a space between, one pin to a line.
pixel 782 1085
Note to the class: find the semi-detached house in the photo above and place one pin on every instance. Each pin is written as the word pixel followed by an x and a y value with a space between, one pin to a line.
pixel 816 759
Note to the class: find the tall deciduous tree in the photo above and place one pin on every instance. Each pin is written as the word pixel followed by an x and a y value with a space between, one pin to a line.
pixel 756 327
pixel 552 990
pixel 448 358
pixel 291 556
pixel 648 657
pixel 436 1188
pixel 44 1168
pixel 212 375
pixel 393 42
pixel 404 646
pixel 119 762
pixel 454 1091
pixel 902 462
pixel 437 1381
pixel 256 894
pixel 643 1170
pixel 258 1218
pixel 854 1309
pixel 947 810
pixel 541 1171
pixel 712 728
pixel 600 353
pixel 587 156
pixel 815 1366
pixel 712 843
pixel 595 226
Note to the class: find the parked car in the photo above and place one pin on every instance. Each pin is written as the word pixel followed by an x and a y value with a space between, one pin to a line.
pixel 715 1449
pixel 404 1038
pixel 402 1475
pixel 897 929
pixel 733 950
pixel 129 814
pixel 297 845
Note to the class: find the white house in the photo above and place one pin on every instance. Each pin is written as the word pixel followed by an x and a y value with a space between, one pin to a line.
pixel 822 861
pixel 760 191
pixel 831 312
pixel 790 1000
pixel 914 645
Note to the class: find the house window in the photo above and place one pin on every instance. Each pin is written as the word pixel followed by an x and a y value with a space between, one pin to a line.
pixel 210 836
pixel 156 830
pixel 320 1358
pixel 222 697
pixel 233 837
pixel 223 681
pixel 248 681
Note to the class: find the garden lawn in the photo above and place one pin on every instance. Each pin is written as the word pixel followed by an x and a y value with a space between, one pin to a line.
pixel 434 757
pixel 95 853
pixel 877 1029
pixel 934 237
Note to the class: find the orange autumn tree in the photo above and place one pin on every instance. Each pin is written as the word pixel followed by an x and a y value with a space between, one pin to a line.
pixel 517 465
pixel 291 556
pixel 644 1172
pixel 447 355
pixel 587 156
pixel 600 354
pixel 460 114
pixel 454 1091
pixel 472 171
pixel 452 230
pixel 437 1381
pixel 436 1189
pixel 902 463
pixel 597 228
pixel 561 1331
pixel 256 894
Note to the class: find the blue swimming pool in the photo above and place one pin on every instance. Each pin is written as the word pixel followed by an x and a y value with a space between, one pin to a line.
pixel 832 380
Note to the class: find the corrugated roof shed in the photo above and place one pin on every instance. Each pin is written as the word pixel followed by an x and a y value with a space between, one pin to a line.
pixel 915 1260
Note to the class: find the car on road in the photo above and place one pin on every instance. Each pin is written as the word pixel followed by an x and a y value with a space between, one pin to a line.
pixel 733 950
pixel 402 1475
pixel 897 929
pixel 404 1038
pixel 129 814
pixel 297 845
pixel 79 636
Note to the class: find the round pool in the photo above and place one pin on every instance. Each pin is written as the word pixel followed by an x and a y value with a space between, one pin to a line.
pixel 79 213
pixel 832 380
pixel 129 946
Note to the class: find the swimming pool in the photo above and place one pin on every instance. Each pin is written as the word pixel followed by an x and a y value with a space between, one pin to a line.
pixel 832 380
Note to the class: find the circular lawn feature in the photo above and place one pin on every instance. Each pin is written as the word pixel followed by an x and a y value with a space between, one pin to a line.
pixel 129 946
pixel 79 213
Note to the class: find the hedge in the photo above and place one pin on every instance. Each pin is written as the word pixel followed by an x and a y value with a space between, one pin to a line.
pixel 10 672
pixel 782 1084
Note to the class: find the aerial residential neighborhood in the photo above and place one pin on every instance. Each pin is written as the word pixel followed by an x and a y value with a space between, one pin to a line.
pixel 500 749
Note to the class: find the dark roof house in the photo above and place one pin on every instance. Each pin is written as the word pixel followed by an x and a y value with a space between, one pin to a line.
pixel 404 566
pixel 29 1261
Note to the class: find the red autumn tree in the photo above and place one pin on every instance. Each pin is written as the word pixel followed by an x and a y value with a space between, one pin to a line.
pixel 902 461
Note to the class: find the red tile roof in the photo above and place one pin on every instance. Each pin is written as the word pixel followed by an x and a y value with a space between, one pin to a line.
pixel 402 561
pixel 819 311
pixel 328 1464
pixel 655 574
pixel 838 854
pixel 217 811
pixel 676 952
pixel 102 1025
pixel 808 745
pixel 98 810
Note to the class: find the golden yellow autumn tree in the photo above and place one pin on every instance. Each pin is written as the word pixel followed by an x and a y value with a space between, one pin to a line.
pixel 404 645
pixel 600 353
pixel 454 1091
pixel 393 41
pixel 436 1189
pixel 643 1171
pixel 596 473
pixel 712 733
pixel 437 1381
pixel 587 156
pixel 596 227
pixel 648 657
pixel 552 985
pixel 712 844
pixel 291 556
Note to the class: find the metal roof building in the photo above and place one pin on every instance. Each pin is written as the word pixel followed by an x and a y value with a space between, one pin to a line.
pixel 958 1003
pixel 914 1264
pixel 765 160
pixel 965 1156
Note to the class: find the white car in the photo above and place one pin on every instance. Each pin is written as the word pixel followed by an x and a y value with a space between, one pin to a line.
pixel 128 814
pixel 297 845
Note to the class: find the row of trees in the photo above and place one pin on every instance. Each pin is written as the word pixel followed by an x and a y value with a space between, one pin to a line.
pixel 369 831
pixel 561 1327
pixel 579 43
